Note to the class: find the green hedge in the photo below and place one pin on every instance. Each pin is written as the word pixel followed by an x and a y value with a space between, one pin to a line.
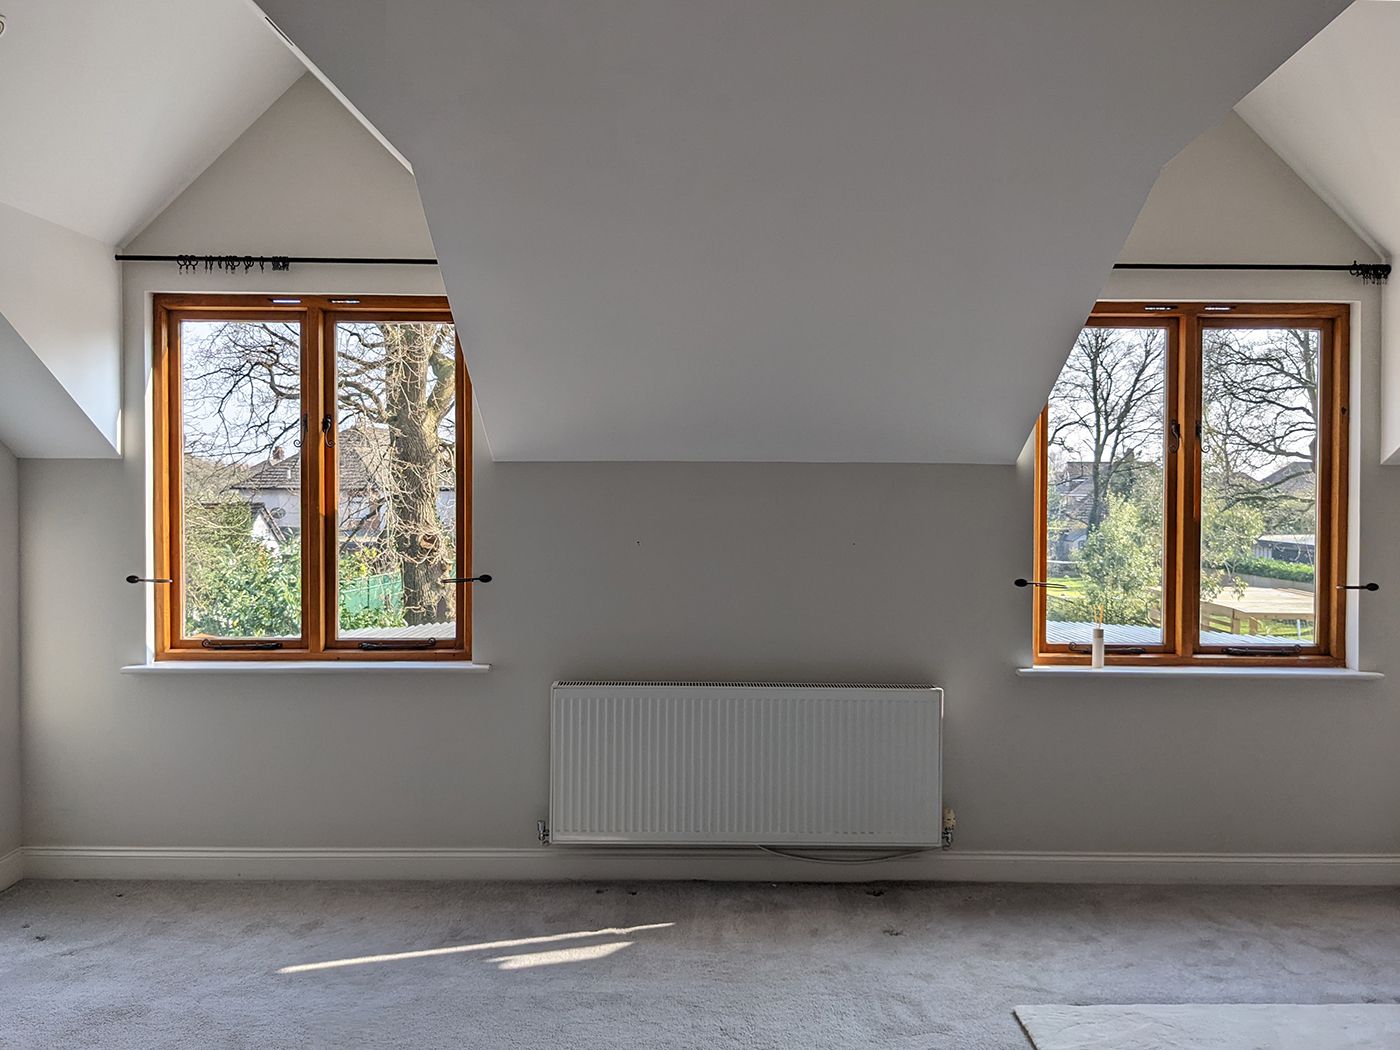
pixel 1274 569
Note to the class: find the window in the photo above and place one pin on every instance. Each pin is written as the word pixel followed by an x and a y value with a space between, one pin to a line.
pixel 313 486
pixel 1191 487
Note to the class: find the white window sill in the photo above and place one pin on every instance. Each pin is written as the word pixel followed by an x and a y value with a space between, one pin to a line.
pixel 1292 673
pixel 307 667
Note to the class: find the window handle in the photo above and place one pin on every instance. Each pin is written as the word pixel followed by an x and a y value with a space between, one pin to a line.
pixel 1023 582
pixel 133 578
pixel 328 430
pixel 1174 436
pixel 483 578
pixel 1358 586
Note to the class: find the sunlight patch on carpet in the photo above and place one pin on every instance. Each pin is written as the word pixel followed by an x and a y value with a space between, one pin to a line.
pixel 485 946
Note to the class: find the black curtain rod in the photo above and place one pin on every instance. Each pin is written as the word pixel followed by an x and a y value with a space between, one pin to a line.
pixel 273 262
pixel 1371 273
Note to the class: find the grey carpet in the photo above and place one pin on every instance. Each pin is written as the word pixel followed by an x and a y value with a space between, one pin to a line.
pixel 148 965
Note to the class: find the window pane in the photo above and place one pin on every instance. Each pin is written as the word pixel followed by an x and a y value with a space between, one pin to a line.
pixel 241 504
pixel 396 445
pixel 1104 534
pixel 1259 406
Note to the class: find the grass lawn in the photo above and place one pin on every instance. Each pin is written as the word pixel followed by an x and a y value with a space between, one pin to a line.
pixel 1071 589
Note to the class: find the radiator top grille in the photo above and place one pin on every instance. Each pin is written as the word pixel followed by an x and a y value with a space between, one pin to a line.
pixel 573 683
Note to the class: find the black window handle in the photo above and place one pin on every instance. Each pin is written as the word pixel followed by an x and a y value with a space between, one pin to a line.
pixel 327 430
pixel 413 645
pixel 1358 586
pixel 214 643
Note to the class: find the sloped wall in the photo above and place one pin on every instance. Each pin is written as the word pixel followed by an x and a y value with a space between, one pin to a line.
pixel 60 310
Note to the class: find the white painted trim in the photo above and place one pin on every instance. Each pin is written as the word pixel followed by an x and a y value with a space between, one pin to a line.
pixel 306 667
pixel 11 868
pixel 1340 674
pixel 562 862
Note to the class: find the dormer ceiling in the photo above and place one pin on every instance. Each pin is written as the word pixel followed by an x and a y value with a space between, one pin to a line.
pixel 112 108
pixel 782 229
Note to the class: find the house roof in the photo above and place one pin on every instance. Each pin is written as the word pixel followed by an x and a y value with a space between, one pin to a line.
pixel 1301 539
pixel 362 465
pixel 1295 478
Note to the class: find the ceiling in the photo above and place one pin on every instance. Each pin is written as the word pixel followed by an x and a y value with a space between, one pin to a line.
pixel 782 230
pixel 110 109
pixel 1330 113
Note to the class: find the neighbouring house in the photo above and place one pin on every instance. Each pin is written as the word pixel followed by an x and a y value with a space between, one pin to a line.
pixel 1073 482
pixel 1298 547
pixel 363 479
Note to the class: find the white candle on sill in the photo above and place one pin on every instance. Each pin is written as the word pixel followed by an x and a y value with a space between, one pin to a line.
pixel 1096 654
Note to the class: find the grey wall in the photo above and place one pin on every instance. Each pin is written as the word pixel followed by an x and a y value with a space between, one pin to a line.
pixel 9 654
pixel 895 572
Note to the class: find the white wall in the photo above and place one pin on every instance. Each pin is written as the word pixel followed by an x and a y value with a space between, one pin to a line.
pixel 344 191
pixel 9 658
pixel 669 570
pixel 1228 198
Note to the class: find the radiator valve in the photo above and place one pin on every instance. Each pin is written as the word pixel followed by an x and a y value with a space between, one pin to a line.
pixel 950 823
pixel 542 830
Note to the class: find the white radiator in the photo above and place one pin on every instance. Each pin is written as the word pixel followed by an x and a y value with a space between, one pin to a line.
pixel 688 763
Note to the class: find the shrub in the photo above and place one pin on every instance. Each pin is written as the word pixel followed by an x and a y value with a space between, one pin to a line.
pixel 1273 569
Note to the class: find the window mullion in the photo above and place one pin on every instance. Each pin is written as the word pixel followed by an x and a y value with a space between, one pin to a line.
pixel 313 469
pixel 1188 518
pixel 327 492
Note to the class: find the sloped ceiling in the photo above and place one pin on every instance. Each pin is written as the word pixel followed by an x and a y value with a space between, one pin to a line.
pixel 1331 113
pixel 111 108
pixel 782 229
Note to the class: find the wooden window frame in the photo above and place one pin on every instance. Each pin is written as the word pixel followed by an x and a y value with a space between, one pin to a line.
pixel 318 316
pixel 1186 324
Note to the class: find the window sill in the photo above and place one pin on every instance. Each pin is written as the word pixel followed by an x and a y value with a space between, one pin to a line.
pixel 1292 673
pixel 307 667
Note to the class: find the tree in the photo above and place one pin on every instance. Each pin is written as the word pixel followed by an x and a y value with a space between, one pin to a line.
pixel 235 585
pixel 395 382
pixel 1106 410
pixel 1121 568
pixel 414 400
pixel 1261 411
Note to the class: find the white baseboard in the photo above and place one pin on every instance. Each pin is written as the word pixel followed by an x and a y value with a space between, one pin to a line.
pixel 11 868
pixel 562 862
